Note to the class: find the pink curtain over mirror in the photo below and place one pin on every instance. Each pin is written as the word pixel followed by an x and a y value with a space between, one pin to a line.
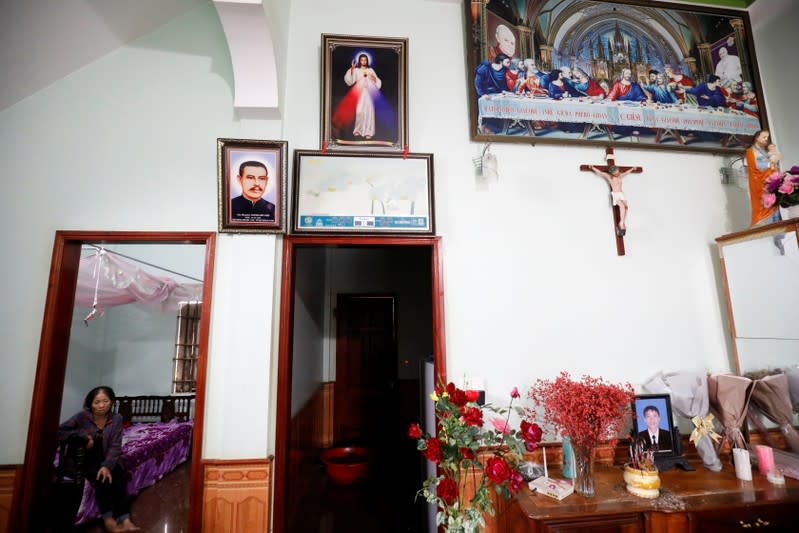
pixel 106 280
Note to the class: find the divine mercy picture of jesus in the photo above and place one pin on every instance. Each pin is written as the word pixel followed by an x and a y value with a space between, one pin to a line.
pixel 364 93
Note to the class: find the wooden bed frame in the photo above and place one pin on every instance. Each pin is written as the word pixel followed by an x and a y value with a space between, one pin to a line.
pixel 135 409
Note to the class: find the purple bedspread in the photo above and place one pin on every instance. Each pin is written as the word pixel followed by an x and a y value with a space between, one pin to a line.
pixel 149 452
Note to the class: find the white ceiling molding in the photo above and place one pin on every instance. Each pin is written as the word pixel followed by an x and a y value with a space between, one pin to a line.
pixel 252 54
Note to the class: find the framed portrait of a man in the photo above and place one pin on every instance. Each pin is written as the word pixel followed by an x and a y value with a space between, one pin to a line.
pixel 654 423
pixel 364 93
pixel 252 185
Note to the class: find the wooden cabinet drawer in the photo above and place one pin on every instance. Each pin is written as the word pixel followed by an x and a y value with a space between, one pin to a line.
pixel 765 517
pixel 626 523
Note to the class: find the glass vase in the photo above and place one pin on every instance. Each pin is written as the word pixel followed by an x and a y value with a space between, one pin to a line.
pixel 584 470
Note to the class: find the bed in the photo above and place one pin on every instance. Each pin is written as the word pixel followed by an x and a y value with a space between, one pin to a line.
pixel 156 439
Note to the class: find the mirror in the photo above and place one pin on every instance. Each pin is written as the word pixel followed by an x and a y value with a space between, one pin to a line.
pixel 130 311
pixel 760 270
pixel 135 328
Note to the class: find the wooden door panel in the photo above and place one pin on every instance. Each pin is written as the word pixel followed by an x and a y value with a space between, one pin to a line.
pixel 366 364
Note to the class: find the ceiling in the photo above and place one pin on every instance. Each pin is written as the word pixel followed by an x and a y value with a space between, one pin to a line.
pixel 41 41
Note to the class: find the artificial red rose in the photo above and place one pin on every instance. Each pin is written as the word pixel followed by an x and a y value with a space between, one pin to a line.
pixel 414 431
pixel 447 490
pixel 514 393
pixel 456 396
pixel 433 450
pixel 497 470
pixel 531 433
pixel 472 416
pixel 472 395
pixel 459 398
pixel 467 453
pixel 515 481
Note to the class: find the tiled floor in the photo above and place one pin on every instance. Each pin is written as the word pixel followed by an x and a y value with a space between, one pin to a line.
pixel 383 503
pixel 162 508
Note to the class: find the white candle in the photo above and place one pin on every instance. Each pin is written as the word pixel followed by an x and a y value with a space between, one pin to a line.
pixel 743 468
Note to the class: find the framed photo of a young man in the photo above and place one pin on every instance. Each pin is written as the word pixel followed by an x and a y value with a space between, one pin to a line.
pixel 654 424
pixel 252 185
pixel 363 193
pixel 619 72
pixel 364 93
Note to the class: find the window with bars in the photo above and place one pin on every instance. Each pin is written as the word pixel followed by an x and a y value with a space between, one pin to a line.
pixel 187 347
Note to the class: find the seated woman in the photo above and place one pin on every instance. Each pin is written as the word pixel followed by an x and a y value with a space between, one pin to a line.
pixel 103 433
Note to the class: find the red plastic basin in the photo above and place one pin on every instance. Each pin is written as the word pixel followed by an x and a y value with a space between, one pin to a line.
pixel 346 465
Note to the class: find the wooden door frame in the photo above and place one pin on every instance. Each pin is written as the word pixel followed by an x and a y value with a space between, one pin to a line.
pixel 48 386
pixel 283 404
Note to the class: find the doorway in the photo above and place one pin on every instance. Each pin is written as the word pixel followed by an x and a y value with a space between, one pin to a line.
pixel 359 317
pixel 366 362
pixel 34 497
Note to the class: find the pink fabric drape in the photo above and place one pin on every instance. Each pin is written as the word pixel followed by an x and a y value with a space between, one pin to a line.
pixel 114 281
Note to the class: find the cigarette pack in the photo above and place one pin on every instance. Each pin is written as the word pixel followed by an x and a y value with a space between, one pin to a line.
pixel 554 488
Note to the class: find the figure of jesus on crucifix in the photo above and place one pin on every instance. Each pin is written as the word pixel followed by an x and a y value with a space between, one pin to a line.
pixel 614 176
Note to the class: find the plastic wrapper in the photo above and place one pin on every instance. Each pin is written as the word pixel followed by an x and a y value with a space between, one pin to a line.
pixel 729 396
pixel 689 399
pixel 771 397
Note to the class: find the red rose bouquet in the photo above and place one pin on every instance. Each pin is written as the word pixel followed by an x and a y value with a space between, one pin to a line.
pixel 462 435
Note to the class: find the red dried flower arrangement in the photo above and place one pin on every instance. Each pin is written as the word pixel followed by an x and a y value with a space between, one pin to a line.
pixel 589 411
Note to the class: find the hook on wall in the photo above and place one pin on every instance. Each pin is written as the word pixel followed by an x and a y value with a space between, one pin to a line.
pixel 485 166
pixel 734 172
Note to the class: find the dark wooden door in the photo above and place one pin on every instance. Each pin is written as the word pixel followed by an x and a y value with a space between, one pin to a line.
pixel 366 367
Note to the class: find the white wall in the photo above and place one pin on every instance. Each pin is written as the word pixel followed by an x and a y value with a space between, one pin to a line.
pixel 532 281
pixel 774 26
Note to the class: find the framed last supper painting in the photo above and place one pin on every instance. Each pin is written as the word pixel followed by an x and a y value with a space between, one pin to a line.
pixel 624 72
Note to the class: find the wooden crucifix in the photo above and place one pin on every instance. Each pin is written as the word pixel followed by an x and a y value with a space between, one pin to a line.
pixel 614 175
